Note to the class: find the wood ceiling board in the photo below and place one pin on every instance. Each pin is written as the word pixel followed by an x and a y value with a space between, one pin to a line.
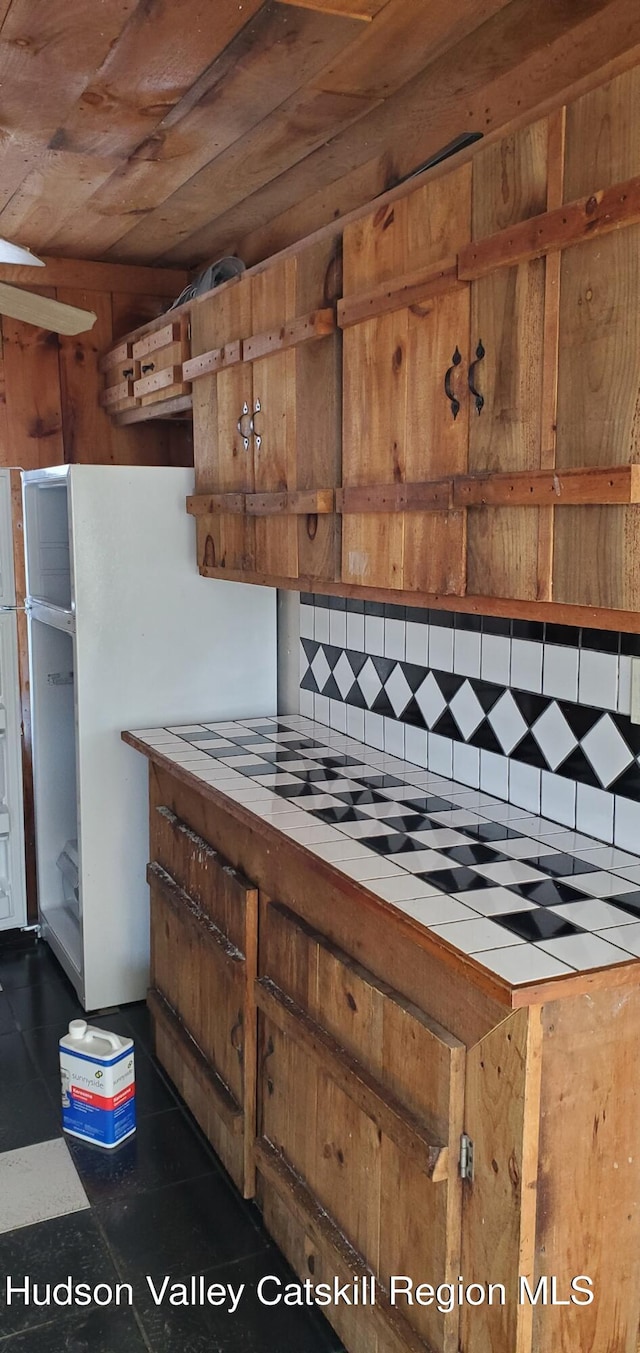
pixel 304 122
pixel 68 180
pixel 353 9
pixel 78 274
pixel 274 55
pixel 497 78
pixel 163 49
pixel 48 53
pixel 403 38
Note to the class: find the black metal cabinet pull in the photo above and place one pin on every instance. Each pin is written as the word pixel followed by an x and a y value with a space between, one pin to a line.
pixel 455 403
pixel 149 367
pixel 479 399
pixel 127 371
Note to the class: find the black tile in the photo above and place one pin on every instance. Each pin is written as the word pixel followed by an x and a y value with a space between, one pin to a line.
pixel 28 967
pixel 47 1003
pixel 337 603
pixel 361 796
pixel 602 641
pixel 164 1150
pixel 321 601
pixel 630 645
pixel 449 683
pixel 539 924
pixel 48 1253
pixel 253 1328
pixel 485 738
pixel 229 753
pixel 629 902
pixel 246 740
pixel 306 598
pixel 627 784
pixel 412 714
pixel 345 814
pixel 488 693
pixel 496 624
pixel 391 844
pixel 355 605
pixel 474 854
pixel 456 880
pixel 16 1066
pixel 27 1116
pixel 260 768
pixel 408 822
pixel 295 791
pixel 374 608
pixel 379 781
pixel 527 629
pixel 465 620
pixel 529 751
pixel 8 1022
pixel 567 635
pixel 319 776
pixel 429 803
pixel 393 612
pixel 561 865
pixel 356 660
pixel 276 756
pixel 442 618
pixel 547 893
pixel 108 1330
pixel 531 706
pixel 332 760
pixel 414 674
pixel 418 615
pixel 491 831
pixel 355 698
pixel 309 682
pixel 172 1230
pixel 576 767
pixel 580 718
pixel 447 727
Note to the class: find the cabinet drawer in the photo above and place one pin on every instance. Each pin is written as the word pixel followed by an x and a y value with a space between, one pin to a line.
pixel 419 1061
pixel 160 356
pixel 223 893
pixel 120 371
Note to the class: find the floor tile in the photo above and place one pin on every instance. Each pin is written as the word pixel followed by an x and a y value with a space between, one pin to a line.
pixel 48 1003
pixel 49 1253
pixel 8 1022
pixel 164 1150
pixel 38 1182
pixel 28 967
pixel 16 1066
pixel 112 1330
pixel 169 1230
pixel 253 1328
pixel 27 1116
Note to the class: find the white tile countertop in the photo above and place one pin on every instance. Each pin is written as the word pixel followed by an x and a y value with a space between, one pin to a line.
pixel 526 897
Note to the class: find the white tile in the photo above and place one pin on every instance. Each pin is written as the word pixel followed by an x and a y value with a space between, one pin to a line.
pixel 276 807
pixel 495 901
pixel 560 672
pixel 37 1183
pixel 398 690
pixel 394 737
pixel 306 622
pixel 321 709
pixel 467 710
pixel 189 727
pixel 456 817
pixel 440 838
pixel 419 861
pixel 438 910
pixel 532 825
pixel 367 827
pixel 624 684
pixel 494 773
pixel 320 669
pixel 466 652
pixel 374 634
pixel 394 638
pixel 310 835
pixel 507 722
pixel 626 825
pixel 495 659
pixel 602 884
pixel 373 867
pixel 526 665
pixel 610 858
pixel 306 703
pixel 343 675
pixel 519 964
pixel 369 682
pixel 598 683
pixel 466 764
pixel 284 821
pixel 336 851
pixel 404 888
pixel 558 798
pixel 338 715
pixel 355 630
pixel 594 812
pixel 321 624
pixel 571 841
pixel 441 648
pixel 338 628
pixel 417 643
pixel 524 785
pixel 430 700
pixel 355 721
pixel 593 914
pixel 415 744
pixel 631 872
pixel 374 729
pixel 626 937
pixel 508 871
pixel 583 951
pixel 607 750
pixel 474 936
pixel 248 793
pixel 440 754
pixel 553 735
pixel 523 848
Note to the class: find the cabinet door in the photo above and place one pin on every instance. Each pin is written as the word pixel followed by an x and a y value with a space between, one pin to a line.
pixel 203 937
pixel 120 371
pixel 507 349
pixel 596 557
pixel 223 453
pixel 360 1099
pixel 160 355
pixel 399 424
pixel 274 412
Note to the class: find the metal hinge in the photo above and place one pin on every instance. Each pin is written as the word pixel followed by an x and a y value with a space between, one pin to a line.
pixel 466 1157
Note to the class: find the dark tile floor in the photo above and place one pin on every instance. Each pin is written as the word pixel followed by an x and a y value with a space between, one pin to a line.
pixel 160 1204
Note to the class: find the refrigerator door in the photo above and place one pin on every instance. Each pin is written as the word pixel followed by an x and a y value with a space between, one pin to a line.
pixel 7 577
pixel 13 904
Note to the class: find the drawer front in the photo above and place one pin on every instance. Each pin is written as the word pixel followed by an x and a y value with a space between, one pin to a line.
pixel 120 371
pixel 223 893
pixel 160 356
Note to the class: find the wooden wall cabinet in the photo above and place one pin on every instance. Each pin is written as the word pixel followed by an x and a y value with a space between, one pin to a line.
pixel 143 375
pixel 341 1059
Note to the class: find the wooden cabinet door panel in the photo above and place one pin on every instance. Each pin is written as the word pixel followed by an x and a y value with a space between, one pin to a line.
pixel 228 898
pixel 274 416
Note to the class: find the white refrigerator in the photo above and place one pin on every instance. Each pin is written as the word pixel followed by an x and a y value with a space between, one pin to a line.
pixel 13 902
pixel 123 633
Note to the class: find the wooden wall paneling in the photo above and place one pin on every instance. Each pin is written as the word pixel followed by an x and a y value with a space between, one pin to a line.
pixel 223 464
pixel 273 300
pixel 502 1113
pixel 34 407
pixel 507 319
pixel 87 429
pixel 146 443
pixel 551 350
pixel 597 560
pixel 356 9
pixel 588 1219
pixel 319 409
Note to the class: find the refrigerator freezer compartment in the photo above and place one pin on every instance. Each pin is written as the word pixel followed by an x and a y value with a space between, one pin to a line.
pixel 46 510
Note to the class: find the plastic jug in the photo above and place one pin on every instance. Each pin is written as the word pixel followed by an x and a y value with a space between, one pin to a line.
pixel 97 1072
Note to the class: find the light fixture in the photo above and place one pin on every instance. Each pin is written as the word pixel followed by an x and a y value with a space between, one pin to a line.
pixel 14 253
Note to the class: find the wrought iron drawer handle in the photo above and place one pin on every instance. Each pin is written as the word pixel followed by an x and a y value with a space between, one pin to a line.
pixel 149 367
pixel 127 371
pixel 245 429
pixel 455 403
pixel 479 399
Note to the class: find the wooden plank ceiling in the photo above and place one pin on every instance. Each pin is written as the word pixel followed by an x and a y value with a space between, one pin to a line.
pixel 171 131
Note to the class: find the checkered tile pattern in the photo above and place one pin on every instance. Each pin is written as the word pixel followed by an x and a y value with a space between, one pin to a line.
pixel 527 898
pixel 590 745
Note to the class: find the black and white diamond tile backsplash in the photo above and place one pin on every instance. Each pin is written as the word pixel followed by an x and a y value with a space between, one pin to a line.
pixel 538 715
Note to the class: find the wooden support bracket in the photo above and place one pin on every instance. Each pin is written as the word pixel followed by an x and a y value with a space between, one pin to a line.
pixel 298 502
pixel 558 488
pixel 302 329
pixel 215 360
pixel 411 289
pixel 434 495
